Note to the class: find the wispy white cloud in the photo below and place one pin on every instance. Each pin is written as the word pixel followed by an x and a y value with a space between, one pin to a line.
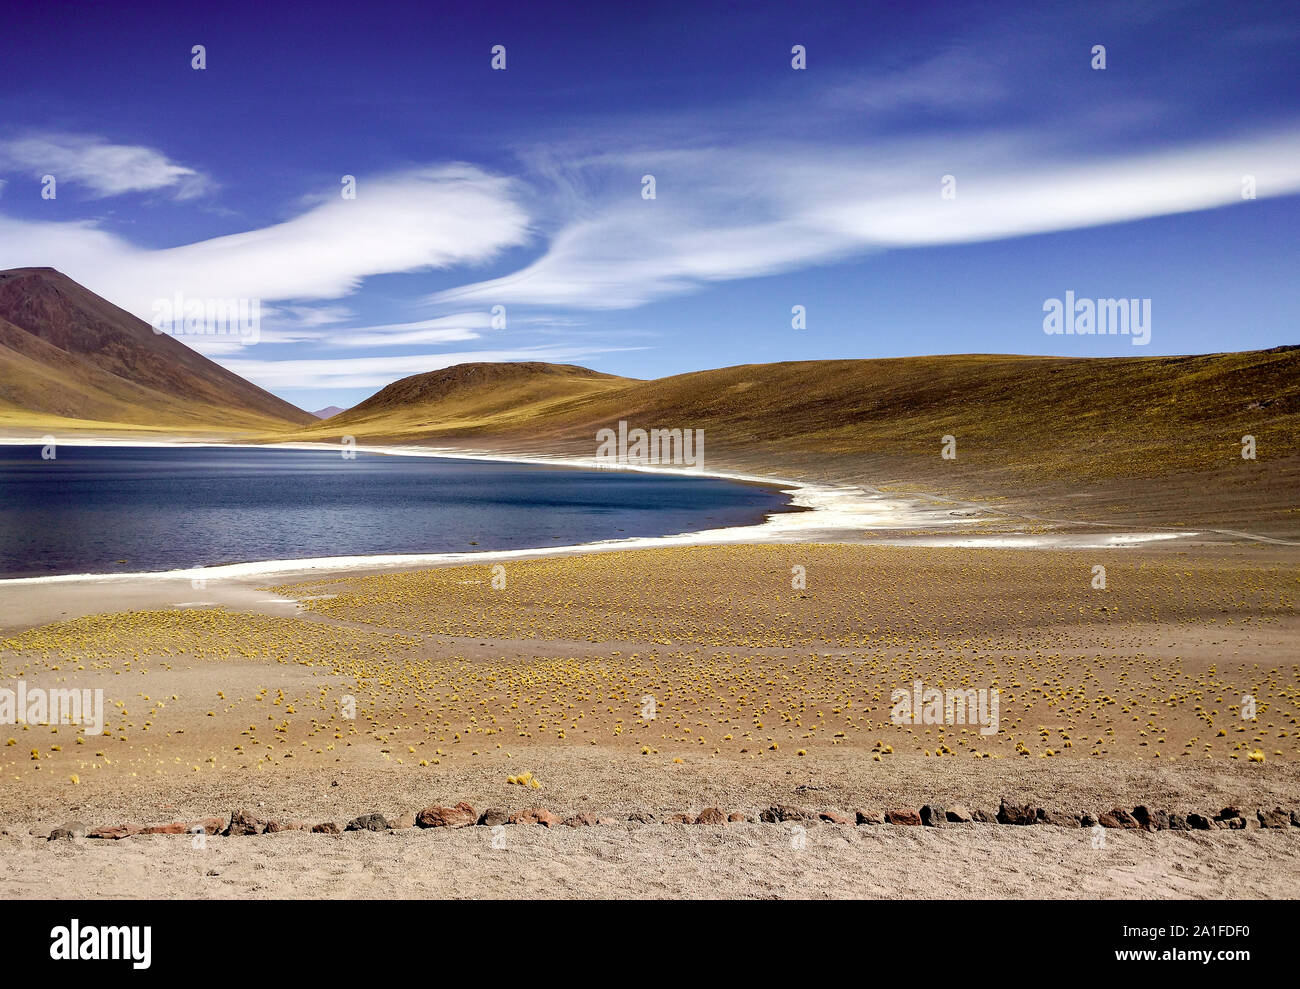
pixel 420 219
pixel 744 213
pixel 105 169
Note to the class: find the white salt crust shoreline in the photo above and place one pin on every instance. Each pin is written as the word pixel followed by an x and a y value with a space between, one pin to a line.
pixel 829 513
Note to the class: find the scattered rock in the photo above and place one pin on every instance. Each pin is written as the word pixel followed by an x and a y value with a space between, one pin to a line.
pixel 1057 819
pixel 369 822
pixel 1275 818
pixel 494 816
pixel 1152 820
pixel 736 817
pixel 957 814
pixel 115 833
pixel 1117 818
pixel 460 816
pixel 1295 818
pixel 1177 822
pixel 679 819
pixel 535 815
pixel 210 825
pixel 275 827
pixel 932 816
pixel 606 822
pixel 68 831
pixel 1199 822
pixel 329 827
pixel 982 816
pixel 242 823
pixel 784 812
pixel 870 817
pixel 581 820
pixel 641 817
pixel 1016 813
pixel 831 817
pixel 903 817
pixel 711 815
pixel 175 827
pixel 404 820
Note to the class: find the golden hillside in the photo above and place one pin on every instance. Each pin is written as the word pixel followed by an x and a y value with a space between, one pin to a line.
pixel 1112 430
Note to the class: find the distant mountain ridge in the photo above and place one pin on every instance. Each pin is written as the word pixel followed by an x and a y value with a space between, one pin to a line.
pixel 66 353
pixel 327 412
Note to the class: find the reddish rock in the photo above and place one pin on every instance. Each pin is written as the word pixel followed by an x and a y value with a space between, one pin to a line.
pixel 1118 818
pixel 583 819
pixel 275 827
pixel 242 823
pixel 460 816
pixel 535 815
pixel 329 827
pixel 175 827
pixel 210 825
pixel 679 819
pixel 711 815
pixel 117 832
pixel 1017 813
pixel 831 817
pixel 909 817
pixel 736 817
pixel 1057 818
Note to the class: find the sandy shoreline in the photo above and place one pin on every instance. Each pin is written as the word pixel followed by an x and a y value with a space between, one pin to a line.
pixel 820 513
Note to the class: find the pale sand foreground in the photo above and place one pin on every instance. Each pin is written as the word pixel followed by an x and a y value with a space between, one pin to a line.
pixel 647 861
pixel 765 694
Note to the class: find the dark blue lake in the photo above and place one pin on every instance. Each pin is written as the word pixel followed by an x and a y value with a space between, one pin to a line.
pixel 122 509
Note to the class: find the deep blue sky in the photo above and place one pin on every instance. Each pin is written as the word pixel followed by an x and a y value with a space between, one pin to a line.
pixel 774 187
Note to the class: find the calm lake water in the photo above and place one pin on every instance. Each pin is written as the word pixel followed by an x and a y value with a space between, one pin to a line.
pixel 122 509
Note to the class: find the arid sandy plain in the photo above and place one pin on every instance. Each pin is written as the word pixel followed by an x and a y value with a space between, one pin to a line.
pixel 639 688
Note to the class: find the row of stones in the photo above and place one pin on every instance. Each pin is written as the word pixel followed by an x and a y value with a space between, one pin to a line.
pixel 242 822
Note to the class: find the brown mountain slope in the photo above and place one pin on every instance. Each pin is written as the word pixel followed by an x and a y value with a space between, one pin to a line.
pixel 1069 432
pixel 491 398
pixel 66 353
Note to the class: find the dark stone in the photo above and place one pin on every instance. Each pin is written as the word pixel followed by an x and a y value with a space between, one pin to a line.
pixel 1017 813
pixel 932 816
pixel 369 822
pixel 1275 818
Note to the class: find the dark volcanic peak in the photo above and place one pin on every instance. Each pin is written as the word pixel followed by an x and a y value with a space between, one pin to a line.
pixel 65 351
